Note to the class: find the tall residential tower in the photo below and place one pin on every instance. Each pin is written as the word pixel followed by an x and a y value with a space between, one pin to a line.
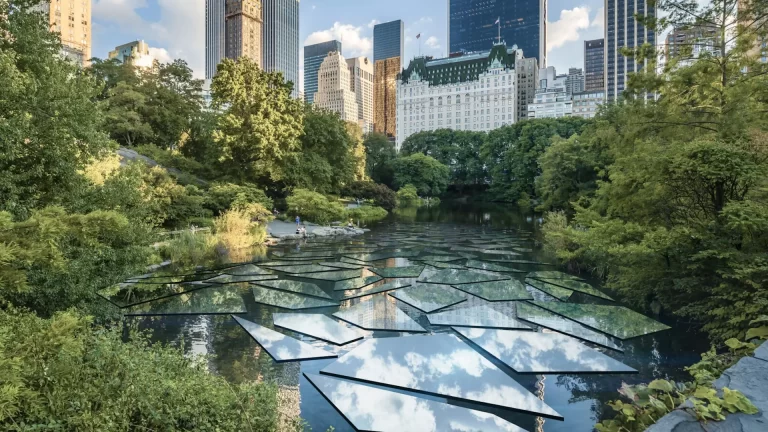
pixel 280 39
pixel 472 26
pixel 243 29
pixel 313 58
pixel 622 30
pixel 388 50
pixel 215 36
pixel 594 64
pixel 73 20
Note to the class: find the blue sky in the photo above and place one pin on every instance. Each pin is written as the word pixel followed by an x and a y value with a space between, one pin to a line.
pixel 176 29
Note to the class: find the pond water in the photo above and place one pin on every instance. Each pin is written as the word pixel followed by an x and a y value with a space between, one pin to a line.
pixel 452 261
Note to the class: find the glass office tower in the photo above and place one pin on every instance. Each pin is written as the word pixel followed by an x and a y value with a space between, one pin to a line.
pixel 280 39
pixel 313 58
pixel 388 50
pixel 622 30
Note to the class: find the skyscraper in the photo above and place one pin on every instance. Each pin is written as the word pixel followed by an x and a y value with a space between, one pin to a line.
pixel 388 49
pixel 333 88
pixel 280 37
pixel 76 32
pixel 594 64
pixel 574 82
pixel 243 29
pixel 472 26
pixel 361 83
pixel 215 36
pixel 527 81
pixel 313 58
pixel 622 30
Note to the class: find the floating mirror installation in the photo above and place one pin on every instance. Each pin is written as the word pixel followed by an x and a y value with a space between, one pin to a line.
pixel 429 297
pixel 579 286
pixel 489 266
pixel 280 347
pixel 356 283
pixel 288 300
pixel 374 289
pixel 318 326
pixel 379 313
pixel 368 408
pixel 542 353
pixel 455 276
pixel 399 272
pixel 207 301
pixel 305 288
pixel 438 365
pixel 505 290
pixel 476 316
pixel 544 318
pixel 558 292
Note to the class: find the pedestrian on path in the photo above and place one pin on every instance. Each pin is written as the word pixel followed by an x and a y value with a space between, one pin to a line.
pixel 298 220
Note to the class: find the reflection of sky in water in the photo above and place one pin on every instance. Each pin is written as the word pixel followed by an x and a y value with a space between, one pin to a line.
pixel 437 364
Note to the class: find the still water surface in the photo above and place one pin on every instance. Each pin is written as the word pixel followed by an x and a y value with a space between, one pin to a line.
pixel 579 398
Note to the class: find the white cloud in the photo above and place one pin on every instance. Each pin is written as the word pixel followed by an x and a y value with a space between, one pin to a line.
pixel 432 42
pixel 567 28
pixel 353 42
pixel 373 23
pixel 599 20
pixel 179 33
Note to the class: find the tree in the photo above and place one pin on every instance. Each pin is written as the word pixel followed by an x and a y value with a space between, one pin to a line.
pixel 50 129
pixel 379 155
pixel 261 123
pixel 123 114
pixel 429 176
pixel 408 196
pixel 314 207
pixel 458 150
pixel 381 195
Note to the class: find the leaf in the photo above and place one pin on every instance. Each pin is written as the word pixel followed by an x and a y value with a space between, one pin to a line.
pixel 662 385
pixel 759 332
pixel 735 401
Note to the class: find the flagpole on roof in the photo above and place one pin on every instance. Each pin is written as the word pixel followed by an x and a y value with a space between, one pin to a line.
pixel 498 22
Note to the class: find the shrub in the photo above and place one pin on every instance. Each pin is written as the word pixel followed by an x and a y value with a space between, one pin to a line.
pixel 190 249
pixel 96 381
pixel 314 207
pixel 367 214
pixel 242 227
pixel 407 196
pixel 381 195
pixel 223 196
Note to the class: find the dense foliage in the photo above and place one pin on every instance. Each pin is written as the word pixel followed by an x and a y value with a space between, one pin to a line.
pixel 425 173
pixel 315 207
pixel 379 154
pixel 459 150
pixel 364 190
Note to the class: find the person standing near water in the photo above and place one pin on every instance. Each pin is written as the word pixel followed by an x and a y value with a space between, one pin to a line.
pixel 298 220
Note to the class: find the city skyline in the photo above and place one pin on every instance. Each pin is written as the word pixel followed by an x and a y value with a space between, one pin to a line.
pixel 176 28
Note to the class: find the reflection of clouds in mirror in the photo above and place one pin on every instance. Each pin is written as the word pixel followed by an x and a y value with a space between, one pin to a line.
pixel 279 346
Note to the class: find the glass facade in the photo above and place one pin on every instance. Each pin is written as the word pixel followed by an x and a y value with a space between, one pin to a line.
pixel 388 40
pixel 471 26
pixel 214 36
pixel 280 39
pixel 622 30
pixel 594 64
pixel 313 58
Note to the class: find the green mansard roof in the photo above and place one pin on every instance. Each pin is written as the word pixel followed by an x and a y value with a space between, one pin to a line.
pixel 464 68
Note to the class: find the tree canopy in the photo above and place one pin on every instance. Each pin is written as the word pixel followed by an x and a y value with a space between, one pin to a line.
pixel 425 173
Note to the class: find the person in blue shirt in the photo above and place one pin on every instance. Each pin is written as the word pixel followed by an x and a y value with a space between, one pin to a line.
pixel 298 220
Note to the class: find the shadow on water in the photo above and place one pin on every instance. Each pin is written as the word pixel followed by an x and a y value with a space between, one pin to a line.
pixel 579 398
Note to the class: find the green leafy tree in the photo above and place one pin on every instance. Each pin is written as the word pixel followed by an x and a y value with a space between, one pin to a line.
pixel 50 129
pixel 428 175
pixel 123 115
pixel 408 196
pixel 379 194
pixel 458 150
pixel 379 155
pixel 261 123
pixel 314 207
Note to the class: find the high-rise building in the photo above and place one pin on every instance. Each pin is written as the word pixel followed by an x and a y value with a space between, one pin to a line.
pixel 594 64
pixel 72 19
pixel 243 23
pixel 333 88
pixel 361 83
pixel 469 92
pixel 280 39
pixel 472 26
pixel 586 103
pixel 313 58
pixel 687 44
pixel 552 99
pixel 388 50
pixel 574 82
pixel 622 30
pixel 215 36
pixel 527 76
pixel 136 53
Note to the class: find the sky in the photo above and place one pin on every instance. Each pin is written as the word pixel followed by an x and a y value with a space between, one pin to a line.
pixel 176 28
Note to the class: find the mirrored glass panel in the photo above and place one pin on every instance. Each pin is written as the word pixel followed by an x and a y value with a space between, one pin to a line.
pixel 440 365
pixel 306 268
pixel 616 321
pixel 216 300
pixel 429 297
pixel 477 316
pixel 245 270
pixel 305 288
pixel 318 326
pixel 579 286
pixel 547 319
pixel 288 300
pixel 439 258
pixel 456 276
pixel 443 265
pixel 558 292
pixel 379 313
pixel 280 347
pixel 356 283
pixel 373 289
pixel 368 408
pixel 341 265
pixel 130 294
pixel 399 272
pixel 551 274
pixel 506 290
pixel 489 266
pixel 337 275
pixel 228 279
pixel 533 352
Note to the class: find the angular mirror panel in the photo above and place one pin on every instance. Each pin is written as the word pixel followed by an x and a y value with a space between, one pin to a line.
pixel 333 276
pixel 228 279
pixel 547 319
pixel 129 294
pixel 579 286
pixel 399 272
pixel 368 408
pixel 302 269
pixel 476 316
pixel 542 353
pixel 379 313
pixel 456 276
pixel 440 365
pixel 558 292
pixel 216 300
pixel 288 300
pixel 280 347
pixel 439 258
pixel 551 274
pixel 318 326
pixel 305 288
pixel 374 289
pixel 489 266
pixel 342 265
pixel 356 283
pixel 429 297
pixel 443 265
pixel 283 263
pixel 617 321
pixel 506 290
pixel 245 270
